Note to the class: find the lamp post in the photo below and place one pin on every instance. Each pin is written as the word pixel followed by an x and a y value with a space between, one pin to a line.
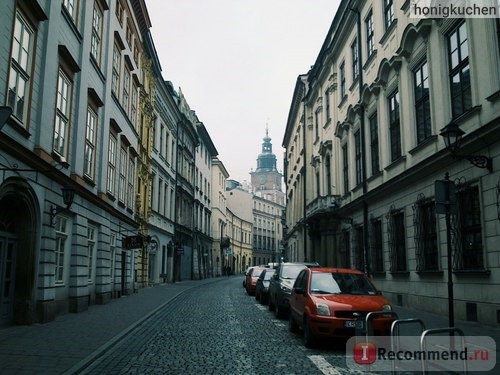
pixel 452 136
pixel 445 203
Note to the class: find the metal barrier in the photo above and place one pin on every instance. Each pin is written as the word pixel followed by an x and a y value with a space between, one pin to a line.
pixel 395 334
pixel 450 330
pixel 370 315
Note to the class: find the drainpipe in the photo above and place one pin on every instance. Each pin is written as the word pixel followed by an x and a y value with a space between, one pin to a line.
pixel 304 175
pixel 363 146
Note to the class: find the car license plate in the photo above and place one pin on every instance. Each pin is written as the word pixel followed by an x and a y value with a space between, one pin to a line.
pixel 354 324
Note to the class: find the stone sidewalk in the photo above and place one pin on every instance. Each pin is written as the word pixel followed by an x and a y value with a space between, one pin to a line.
pixel 67 343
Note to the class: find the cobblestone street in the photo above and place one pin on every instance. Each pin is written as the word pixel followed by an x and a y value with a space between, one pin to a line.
pixel 214 329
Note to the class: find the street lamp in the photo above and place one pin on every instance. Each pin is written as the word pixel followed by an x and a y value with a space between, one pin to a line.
pixel 68 194
pixel 452 136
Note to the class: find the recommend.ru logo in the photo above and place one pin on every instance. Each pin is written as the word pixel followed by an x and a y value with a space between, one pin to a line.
pixel 410 353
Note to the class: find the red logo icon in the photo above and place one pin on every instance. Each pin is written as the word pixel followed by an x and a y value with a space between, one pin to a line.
pixel 365 353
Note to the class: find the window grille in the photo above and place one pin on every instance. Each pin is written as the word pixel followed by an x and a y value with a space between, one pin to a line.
pixel 424 220
pixel 359 258
pixel 345 250
pixel 466 230
pixel 396 239
pixel 376 246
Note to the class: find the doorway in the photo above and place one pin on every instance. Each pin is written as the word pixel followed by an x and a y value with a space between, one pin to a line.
pixel 8 244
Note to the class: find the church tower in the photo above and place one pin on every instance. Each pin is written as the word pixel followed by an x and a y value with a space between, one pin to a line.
pixel 266 179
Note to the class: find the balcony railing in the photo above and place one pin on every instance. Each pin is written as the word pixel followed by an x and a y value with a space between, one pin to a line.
pixel 326 204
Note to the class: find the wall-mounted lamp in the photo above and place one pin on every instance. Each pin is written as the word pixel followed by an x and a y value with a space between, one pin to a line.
pixel 68 194
pixel 5 113
pixel 452 136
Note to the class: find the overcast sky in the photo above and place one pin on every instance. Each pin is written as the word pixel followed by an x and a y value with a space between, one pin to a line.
pixel 236 62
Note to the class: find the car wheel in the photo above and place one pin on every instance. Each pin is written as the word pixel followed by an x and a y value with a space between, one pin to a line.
pixel 270 306
pixel 263 299
pixel 292 324
pixel 309 340
pixel 278 311
pixel 257 296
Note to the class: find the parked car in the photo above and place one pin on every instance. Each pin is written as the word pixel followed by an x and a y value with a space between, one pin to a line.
pixel 281 285
pixel 252 278
pixel 247 272
pixel 332 302
pixel 262 286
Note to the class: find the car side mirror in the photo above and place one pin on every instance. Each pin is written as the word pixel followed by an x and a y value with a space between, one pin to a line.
pixel 299 290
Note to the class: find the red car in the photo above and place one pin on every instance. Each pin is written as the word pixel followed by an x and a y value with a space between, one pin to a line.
pixel 251 279
pixel 332 302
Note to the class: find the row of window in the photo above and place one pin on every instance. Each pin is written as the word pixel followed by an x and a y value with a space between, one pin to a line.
pixel 162 197
pixel 63 250
pixel 466 237
pixel 461 100
pixel 121 164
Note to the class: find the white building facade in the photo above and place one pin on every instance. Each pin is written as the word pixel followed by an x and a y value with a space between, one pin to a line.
pixel 364 151
pixel 205 153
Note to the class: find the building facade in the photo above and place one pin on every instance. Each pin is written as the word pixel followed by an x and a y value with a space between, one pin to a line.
pixel 364 152
pixel 187 141
pixel 267 231
pixel 266 180
pixel 239 220
pixel 163 178
pixel 219 216
pixel 97 162
pixel 268 206
pixel 73 128
pixel 205 153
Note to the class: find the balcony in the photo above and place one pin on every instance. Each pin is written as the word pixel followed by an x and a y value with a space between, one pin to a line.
pixel 323 205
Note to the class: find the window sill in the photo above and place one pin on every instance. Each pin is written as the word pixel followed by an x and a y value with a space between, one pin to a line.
pixel 395 163
pixel 482 273
pixel 400 273
pixel 467 114
pixel 378 273
pixel 430 273
pixel 354 83
pixel 370 59
pixel 110 196
pixel 342 101
pixel 389 31
pixel 374 176
pixel 89 180
pixel 494 97
pixel 18 126
pixel 423 144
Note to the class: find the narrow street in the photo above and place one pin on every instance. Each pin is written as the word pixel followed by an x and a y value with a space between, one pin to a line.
pixel 216 329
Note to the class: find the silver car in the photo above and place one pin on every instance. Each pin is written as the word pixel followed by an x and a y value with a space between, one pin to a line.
pixel 280 286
